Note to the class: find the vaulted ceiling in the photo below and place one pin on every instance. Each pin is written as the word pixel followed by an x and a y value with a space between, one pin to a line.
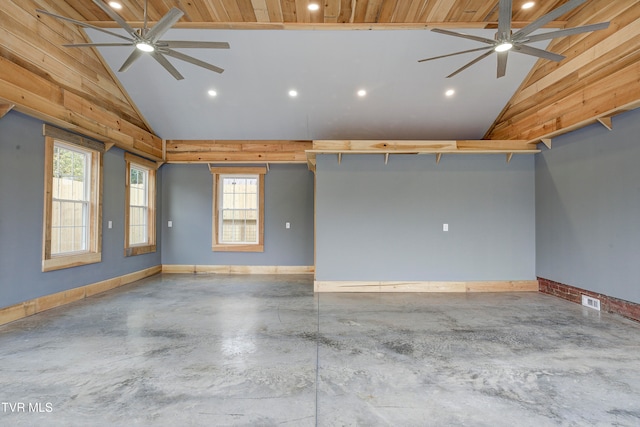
pixel 345 45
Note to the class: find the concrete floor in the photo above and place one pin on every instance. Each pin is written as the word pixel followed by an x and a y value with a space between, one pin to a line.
pixel 179 350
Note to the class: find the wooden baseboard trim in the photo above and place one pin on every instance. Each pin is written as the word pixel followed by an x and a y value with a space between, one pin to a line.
pixel 432 286
pixel 46 302
pixel 237 269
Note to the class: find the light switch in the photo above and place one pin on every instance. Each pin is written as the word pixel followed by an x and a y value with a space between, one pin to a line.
pixel 287 225
pixel 445 227
pixel 110 224
pixel 169 224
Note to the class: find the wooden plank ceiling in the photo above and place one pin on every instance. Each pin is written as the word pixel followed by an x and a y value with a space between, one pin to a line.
pixel 478 13
pixel 72 88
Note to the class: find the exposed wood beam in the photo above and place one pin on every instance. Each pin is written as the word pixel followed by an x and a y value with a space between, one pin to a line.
pixel 236 151
pixel 307 26
pixel 5 108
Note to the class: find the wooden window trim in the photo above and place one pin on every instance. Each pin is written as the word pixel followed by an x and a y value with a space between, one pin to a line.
pixel 93 254
pixel 229 247
pixel 151 167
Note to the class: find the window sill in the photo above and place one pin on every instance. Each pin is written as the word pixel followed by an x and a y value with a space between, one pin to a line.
pixel 61 262
pixel 237 248
pixel 139 250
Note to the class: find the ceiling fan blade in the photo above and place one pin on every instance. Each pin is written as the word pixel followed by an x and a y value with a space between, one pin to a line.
pixel 137 53
pixel 97 44
pixel 545 19
pixel 84 24
pixel 504 20
pixel 567 32
pixel 192 44
pixel 106 9
pixel 502 63
pixel 464 67
pixel 464 36
pixel 192 60
pixel 164 24
pixel 544 54
pixel 457 53
pixel 166 64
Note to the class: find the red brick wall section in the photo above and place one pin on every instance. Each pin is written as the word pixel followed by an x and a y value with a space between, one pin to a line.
pixel 571 293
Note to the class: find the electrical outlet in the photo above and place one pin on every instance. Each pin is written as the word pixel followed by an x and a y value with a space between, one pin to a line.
pixel 591 302
pixel 110 224
pixel 445 227
pixel 287 225
pixel 169 224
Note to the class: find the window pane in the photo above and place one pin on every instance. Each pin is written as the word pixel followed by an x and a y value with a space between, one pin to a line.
pixel 70 206
pixel 68 226
pixel 239 210
pixel 138 204
pixel 137 225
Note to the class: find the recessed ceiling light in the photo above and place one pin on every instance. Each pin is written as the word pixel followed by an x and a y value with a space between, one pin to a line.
pixel 145 47
pixel 212 92
pixel 293 93
pixel 528 5
pixel 115 5
pixel 362 93
pixel 313 7
pixel 450 92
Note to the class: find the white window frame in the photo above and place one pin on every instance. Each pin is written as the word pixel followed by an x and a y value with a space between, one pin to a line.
pixel 92 203
pixel 150 168
pixel 219 173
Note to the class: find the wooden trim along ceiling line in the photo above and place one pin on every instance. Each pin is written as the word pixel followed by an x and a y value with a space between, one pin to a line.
pixel 329 26
pixel 295 151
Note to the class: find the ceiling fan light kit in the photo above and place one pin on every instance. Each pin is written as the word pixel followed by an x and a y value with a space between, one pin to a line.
pixel 145 47
pixel 506 39
pixel 148 40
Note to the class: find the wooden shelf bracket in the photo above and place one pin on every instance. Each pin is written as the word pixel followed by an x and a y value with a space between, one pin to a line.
pixel 606 122
pixel 5 108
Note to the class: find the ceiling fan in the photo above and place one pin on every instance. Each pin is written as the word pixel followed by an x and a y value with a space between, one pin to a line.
pixel 148 40
pixel 506 40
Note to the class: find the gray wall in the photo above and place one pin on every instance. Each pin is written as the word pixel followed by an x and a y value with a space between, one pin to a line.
pixel 187 201
pixel 384 222
pixel 588 209
pixel 21 212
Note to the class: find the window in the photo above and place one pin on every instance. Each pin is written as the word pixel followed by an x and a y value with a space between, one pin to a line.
pixel 238 209
pixel 73 171
pixel 140 212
